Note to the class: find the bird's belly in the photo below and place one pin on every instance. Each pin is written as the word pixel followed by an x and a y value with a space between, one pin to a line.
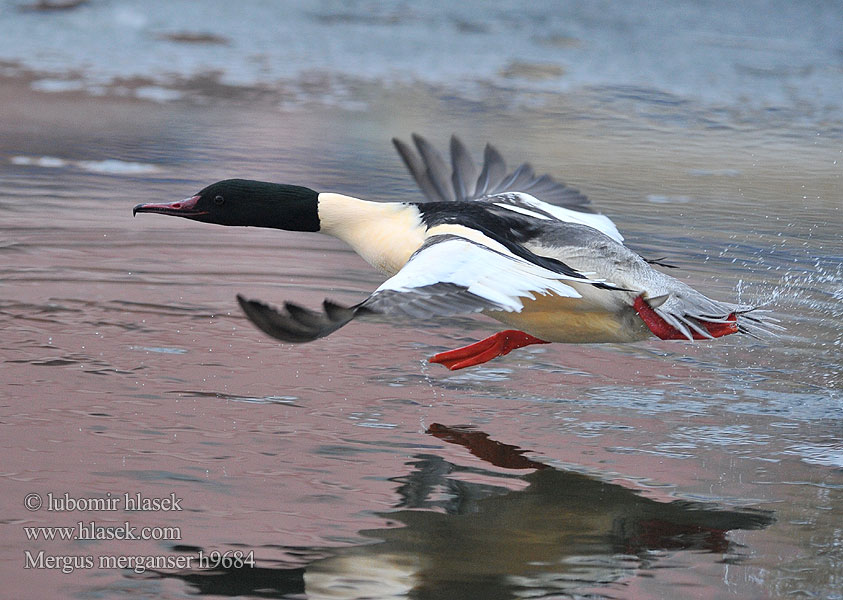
pixel 573 320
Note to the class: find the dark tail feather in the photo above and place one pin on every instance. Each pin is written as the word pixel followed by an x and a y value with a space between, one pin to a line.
pixel 297 324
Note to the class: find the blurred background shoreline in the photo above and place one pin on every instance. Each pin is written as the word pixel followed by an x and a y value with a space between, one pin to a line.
pixel 755 61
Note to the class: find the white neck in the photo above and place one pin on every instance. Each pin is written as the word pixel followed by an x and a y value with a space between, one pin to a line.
pixel 384 234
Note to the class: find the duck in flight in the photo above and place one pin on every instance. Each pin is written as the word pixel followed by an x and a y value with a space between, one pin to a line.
pixel 527 251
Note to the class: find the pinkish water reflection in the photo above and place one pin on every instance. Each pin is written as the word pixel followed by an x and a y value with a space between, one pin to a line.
pixel 126 368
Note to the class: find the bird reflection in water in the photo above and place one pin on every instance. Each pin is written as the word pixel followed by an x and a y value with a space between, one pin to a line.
pixel 562 533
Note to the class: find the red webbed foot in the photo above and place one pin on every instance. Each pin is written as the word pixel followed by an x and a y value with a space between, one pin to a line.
pixel 663 330
pixel 485 350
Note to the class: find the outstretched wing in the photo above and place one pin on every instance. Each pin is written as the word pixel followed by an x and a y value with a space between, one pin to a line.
pixel 520 191
pixel 449 275
pixel 461 181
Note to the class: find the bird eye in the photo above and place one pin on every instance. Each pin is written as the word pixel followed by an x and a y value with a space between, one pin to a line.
pixel 219 200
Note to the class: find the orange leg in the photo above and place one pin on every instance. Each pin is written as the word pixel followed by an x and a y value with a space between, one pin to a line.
pixel 666 331
pixel 485 350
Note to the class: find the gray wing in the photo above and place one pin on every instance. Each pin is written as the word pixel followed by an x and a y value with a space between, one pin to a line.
pixel 460 181
pixel 448 275
pixel 295 324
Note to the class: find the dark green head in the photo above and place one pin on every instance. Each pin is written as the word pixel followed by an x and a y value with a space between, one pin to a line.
pixel 247 203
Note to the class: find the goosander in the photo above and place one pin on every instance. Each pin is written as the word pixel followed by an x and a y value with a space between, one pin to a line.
pixel 528 251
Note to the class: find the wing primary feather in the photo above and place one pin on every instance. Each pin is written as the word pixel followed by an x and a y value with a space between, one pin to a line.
pixel 306 317
pixel 441 182
pixel 517 177
pixel 543 183
pixel 418 170
pixel 297 324
pixel 437 169
pixel 463 171
pixel 493 172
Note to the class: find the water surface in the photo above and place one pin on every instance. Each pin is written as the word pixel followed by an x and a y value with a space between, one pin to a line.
pixel 350 467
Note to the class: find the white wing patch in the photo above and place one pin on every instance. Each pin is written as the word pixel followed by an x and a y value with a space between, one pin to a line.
pixel 525 202
pixel 498 278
